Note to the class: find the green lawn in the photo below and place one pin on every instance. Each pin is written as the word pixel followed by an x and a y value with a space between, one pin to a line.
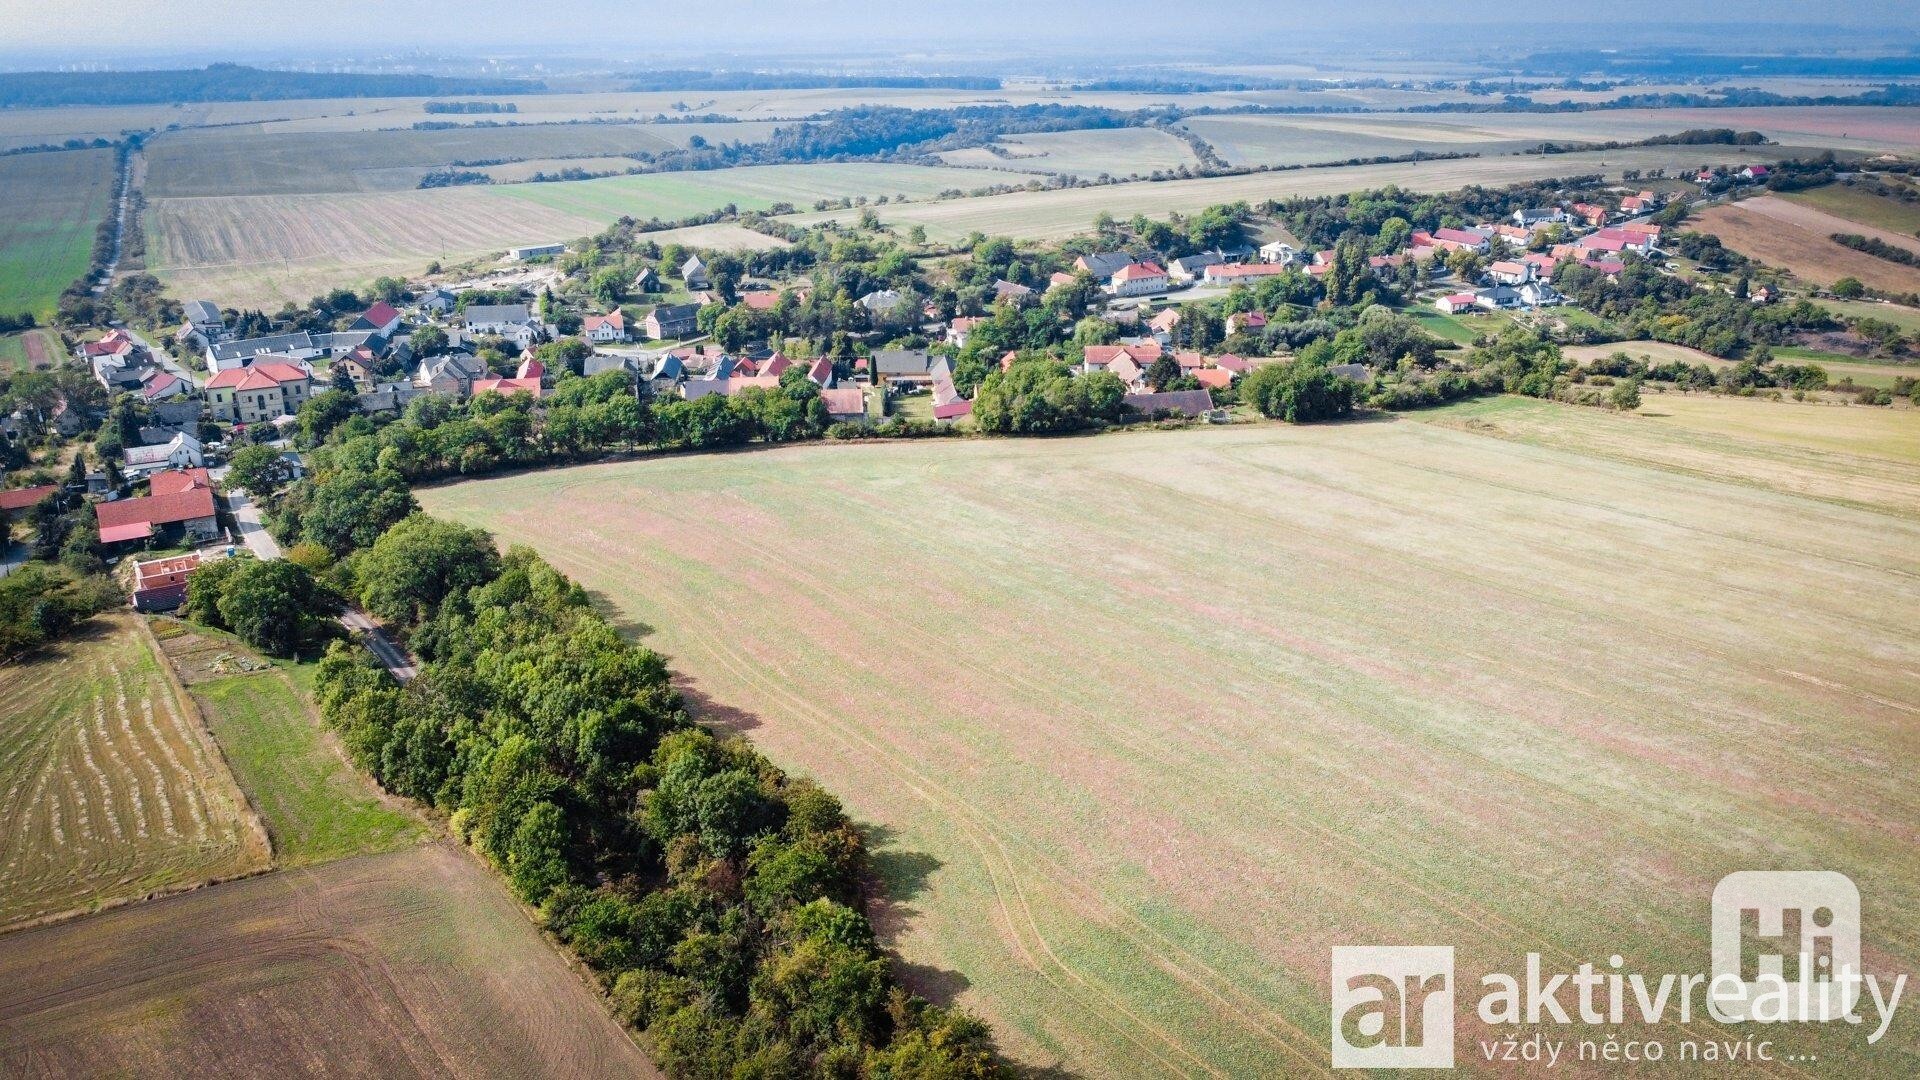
pixel 50 207
pixel 1858 204
pixel 315 805
pixel 15 357
pixel 1445 326
pixel 1906 318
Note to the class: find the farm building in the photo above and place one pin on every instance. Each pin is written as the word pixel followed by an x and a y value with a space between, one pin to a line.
pixel 535 251
pixel 181 504
pixel 1183 402
pixel 846 405
pixel 669 321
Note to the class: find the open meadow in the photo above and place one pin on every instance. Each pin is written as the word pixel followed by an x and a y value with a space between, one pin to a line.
pixel 1862 372
pixel 30 350
pixel 1086 154
pixel 1147 723
pixel 1796 237
pixel 1867 208
pixel 109 787
pixel 410 964
pixel 50 206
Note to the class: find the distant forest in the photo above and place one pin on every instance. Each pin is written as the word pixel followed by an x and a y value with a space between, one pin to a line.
pixel 232 82
pixel 798 80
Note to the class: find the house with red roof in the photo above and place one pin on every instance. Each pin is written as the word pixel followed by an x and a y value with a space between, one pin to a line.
pixel 1245 321
pixel 1509 272
pixel 1755 173
pixel 961 328
pixel 1138 279
pixel 16 500
pixel 1165 322
pixel 1213 378
pixel 603 329
pixel 820 372
pixel 1231 272
pixel 161 385
pixel 845 405
pixel 527 379
pixel 1589 213
pixel 259 392
pixel 1103 357
pixel 1232 363
pixel 1455 304
pixel 181 504
pixel 775 365
pixel 381 318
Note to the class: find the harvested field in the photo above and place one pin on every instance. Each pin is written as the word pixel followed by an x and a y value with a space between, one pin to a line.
pixel 1796 238
pixel 1151 721
pixel 1054 215
pixel 109 787
pixel 1114 152
pixel 53 204
pixel 259 250
pixel 1856 204
pixel 242 161
pixel 316 806
pixel 409 964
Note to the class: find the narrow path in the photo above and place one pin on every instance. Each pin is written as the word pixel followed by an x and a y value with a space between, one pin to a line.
pixel 124 188
pixel 374 636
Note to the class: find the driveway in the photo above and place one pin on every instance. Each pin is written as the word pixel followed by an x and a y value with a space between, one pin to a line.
pixel 374 636
pixel 246 518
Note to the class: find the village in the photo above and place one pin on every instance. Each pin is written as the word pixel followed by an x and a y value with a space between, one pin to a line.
pixel 210 391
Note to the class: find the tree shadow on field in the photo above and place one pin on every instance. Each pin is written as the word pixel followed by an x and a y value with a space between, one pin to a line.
pixel 724 719
pixel 898 877
pixel 629 627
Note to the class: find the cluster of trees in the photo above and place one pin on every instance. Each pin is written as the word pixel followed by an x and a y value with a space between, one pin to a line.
pixel 40 602
pixel 1038 395
pixel 1302 391
pixel 1323 220
pixel 717 900
pixel 1646 303
pixel 276 606
pixel 232 82
pixel 1878 248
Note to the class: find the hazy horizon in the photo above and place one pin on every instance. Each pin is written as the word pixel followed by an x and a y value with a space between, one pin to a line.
pixel 117 34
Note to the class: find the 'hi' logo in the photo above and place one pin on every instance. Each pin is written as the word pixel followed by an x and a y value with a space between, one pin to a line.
pixel 1393 1007
pixel 1774 929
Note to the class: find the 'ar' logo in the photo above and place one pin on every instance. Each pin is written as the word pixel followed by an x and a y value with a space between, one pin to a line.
pixel 1393 1007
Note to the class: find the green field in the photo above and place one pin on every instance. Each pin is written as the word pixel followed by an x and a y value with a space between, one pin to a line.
pixel 1151 721
pixel 1904 317
pixel 1856 204
pixel 1089 154
pixel 31 349
pixel 53 204
pixel 677 195
pixel 317 807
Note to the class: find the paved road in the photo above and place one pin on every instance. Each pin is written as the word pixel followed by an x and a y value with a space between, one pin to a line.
pixel 390 655
pixel 246 518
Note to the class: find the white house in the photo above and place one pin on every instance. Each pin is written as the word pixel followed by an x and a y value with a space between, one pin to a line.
pixel 511 321
pixel 182 452
pixel 1276 252
pixel 1138 279
pixel 602 329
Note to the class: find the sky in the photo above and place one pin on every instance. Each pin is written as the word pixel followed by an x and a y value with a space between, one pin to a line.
pixel 644 31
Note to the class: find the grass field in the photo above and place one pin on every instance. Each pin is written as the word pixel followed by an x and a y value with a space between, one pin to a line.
pixel 410 964
pixel 1856 204
pixel 316 806
pixel 258 250
pixel 1905 317
pixel 53 205
pixel 1862 372
pixel 1053 215
pixel 1151 721
pixel 111 788
pixel 1795 237
pixel 31 350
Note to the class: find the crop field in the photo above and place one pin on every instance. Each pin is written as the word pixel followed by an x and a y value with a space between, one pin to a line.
pixel 230 161
pixel 1796 238
pixel 316 806
pixel 30 350
pixel 413 963
pixel 1113 152
pixel 259 250
pixel 109 788
pixel 1151 721
pixel 1865 207
pixel 53 203
pixel 1055 215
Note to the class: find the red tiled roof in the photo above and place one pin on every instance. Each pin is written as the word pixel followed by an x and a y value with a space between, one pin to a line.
pixel 183 504
pixel 1139 270
pixel 952 410
pixel 1229 271
pixel 507 386
pixel 21 498
pixel 176 480
pixel 380 314
pixel 616 319
pixel 1230 362
pixel 845 401
pixel 1214 378
pixel 256 377
pixel 1459 236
